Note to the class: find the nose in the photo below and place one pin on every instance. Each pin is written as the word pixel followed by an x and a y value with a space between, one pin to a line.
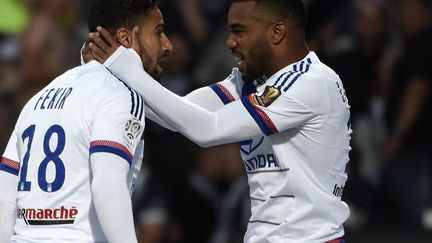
pixel 166 44
pixel 231 43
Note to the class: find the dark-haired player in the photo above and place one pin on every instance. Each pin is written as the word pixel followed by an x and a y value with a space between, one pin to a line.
pixel 287 109
pixel 70 165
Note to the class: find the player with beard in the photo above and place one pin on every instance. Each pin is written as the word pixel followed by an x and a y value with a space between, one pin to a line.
pixel 287 109
pixel 70 165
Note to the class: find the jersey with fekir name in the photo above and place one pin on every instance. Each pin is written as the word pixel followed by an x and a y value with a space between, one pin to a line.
pixel 86 110
pixel 296 173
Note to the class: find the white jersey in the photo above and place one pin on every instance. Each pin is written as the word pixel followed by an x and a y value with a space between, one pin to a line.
pixel 294 131
pixel 297 170
pixel 86 110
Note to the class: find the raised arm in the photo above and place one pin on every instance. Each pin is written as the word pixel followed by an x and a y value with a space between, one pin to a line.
pixel 236 121
pixel 204 97
pixel 231 123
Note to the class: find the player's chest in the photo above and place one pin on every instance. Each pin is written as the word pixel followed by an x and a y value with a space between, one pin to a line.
pixel 258 154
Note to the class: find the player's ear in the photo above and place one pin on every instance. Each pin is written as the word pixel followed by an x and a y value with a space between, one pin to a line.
pixel 124 37
pixel 277 32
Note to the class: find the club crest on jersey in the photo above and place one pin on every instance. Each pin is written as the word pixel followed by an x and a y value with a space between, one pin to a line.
pixel 270 94
pixel 48 216
pixel 133 129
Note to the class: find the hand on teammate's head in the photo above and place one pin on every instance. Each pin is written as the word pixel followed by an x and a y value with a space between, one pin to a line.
pixel 102 45
pixel 86 52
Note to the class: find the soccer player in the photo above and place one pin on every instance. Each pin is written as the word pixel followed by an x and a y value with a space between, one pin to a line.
pixel 287 109
pixel 70 165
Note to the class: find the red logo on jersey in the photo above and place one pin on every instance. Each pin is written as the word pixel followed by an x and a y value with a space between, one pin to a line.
pixel 48 216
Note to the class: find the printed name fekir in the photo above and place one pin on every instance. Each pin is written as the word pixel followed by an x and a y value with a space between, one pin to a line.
pixel 54 98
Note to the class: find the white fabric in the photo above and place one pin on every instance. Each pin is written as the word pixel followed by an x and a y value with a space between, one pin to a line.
pixel 111 197
pixel 81 54
pixel 296 172
pixel 204 97
pixel 84 112
pixel 8 212
pixel 180 112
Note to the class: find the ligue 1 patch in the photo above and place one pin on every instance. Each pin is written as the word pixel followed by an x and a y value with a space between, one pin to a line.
pixel 269 96
pixel 133 129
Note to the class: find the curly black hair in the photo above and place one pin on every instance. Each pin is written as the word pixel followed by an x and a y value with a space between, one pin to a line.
pixel 113 14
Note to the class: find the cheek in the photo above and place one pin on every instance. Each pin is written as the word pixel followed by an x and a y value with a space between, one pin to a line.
pixel 153 48
pixel 146 53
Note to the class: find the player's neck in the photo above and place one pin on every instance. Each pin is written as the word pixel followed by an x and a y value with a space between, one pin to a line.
pixel 289 56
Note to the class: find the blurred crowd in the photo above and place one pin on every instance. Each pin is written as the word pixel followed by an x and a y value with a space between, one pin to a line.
pixel 380 48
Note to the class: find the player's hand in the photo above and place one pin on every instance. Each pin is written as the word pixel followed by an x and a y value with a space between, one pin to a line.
pixel 102 44
pixel 86 52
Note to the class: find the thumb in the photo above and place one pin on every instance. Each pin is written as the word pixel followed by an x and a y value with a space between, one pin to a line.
pixel 135 38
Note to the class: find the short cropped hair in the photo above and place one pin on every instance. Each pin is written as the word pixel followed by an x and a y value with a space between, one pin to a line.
pixel 293 11
pixel 113 14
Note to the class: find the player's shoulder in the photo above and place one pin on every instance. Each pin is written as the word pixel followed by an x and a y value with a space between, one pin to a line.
pixel 231 85
pixel 97 78
pixel 97 86
pixel 305 82
pixel 309 76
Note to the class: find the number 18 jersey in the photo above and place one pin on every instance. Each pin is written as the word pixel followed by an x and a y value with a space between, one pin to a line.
pixel 86 110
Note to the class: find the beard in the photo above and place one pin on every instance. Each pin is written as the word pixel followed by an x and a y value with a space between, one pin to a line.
pixel 149 67
pixel 260 58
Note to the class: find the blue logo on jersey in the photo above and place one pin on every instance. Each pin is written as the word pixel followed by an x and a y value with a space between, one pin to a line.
pixel 248 146
pixel 261 161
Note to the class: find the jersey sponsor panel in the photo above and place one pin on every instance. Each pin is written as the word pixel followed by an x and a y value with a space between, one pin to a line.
pixel 48 216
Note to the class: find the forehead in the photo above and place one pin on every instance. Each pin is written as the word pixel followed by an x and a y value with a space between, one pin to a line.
pixel 241 11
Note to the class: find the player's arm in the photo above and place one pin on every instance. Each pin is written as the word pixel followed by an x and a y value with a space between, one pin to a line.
pixel 210 98
pixel 111 197
pixel 9 168
pixel 115 134
pixel 234 122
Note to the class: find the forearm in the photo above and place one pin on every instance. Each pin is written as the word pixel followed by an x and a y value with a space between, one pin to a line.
pixel 203 97
pixel 191 120
pixel 8 209
pixel 149 113
pixel 111 197
pixel 7 220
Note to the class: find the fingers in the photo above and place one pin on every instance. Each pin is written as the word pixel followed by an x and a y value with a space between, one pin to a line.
pixel 135 38
pixel 86 52
pixel 98 58
pixel 108 37
pixel 98 41
pixel 98 52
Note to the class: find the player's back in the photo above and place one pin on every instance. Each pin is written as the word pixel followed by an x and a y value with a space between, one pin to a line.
pixel 54 132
